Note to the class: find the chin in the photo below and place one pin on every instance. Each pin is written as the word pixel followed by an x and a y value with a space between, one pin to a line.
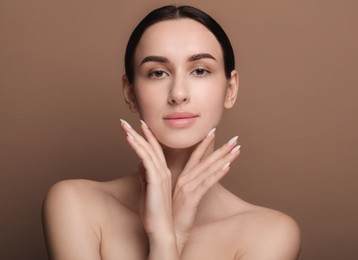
pixel 180 142
pixel 178 146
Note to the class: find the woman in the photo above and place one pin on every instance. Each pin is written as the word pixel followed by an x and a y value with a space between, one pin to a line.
pixel 180 76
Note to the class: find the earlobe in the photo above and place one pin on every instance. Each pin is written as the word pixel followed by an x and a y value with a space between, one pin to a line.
pixel 232 90
pixel 129 95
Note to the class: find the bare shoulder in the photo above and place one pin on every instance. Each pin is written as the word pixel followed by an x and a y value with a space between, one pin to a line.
pixel 72 195
pixel 270 234
pixel 80 194
pixel 73 211
pixel 68 188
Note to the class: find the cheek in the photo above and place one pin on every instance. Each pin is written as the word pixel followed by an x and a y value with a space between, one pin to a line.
pixel 212 95
pixel 148 101
pixel 212 102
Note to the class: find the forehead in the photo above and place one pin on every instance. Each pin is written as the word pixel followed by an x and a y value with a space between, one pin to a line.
pixel 178 38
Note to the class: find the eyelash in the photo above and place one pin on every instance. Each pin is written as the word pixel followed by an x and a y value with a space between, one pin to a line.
pixel 153 75
pixel 204 72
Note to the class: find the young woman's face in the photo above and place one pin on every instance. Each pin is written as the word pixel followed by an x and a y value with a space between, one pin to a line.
pixel 179 84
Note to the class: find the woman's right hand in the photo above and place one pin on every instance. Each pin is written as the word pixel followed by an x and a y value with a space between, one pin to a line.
pixel 155 178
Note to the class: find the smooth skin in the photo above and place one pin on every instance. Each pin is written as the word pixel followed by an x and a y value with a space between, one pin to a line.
pixel 174 207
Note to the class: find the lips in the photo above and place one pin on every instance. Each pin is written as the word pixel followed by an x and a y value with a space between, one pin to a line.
pixel 180 119
pixel 180 115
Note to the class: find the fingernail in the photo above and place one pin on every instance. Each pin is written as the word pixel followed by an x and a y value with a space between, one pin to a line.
pixel 144 124
pixel 226 165
pixel 237 148
pixel 125 123
pixel 233 140
pixel 130 136
pixel 211 132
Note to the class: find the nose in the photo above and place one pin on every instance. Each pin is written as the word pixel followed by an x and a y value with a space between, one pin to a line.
pixel 179 92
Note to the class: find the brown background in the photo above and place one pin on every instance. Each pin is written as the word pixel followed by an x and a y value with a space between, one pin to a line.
pixel 61 100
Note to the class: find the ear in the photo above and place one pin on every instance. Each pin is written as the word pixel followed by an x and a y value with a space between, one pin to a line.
pixel 232 89
pixel 129 96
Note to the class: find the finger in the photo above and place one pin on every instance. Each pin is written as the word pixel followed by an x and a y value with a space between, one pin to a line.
pixel 136 138
pixel 199 152
pixel 196 189
pixel 145 157
pixel 152 140
pixel 214 172
pixel 142 148
pixel 202 187
pixel 215 156
pixel 205 178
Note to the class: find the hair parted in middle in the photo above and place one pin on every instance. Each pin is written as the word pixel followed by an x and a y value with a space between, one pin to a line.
pixel 171 12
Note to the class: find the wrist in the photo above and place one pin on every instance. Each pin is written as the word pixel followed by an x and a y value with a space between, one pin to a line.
pixel 163 246
pixel 162 238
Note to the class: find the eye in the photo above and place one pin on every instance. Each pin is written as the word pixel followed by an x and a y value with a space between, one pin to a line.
pixel 157 74
pixel 200 72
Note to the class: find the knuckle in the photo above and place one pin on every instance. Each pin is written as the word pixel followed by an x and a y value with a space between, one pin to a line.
pixel 185 189
pixel 206 184
pixel 145 156
pixel 180 182
pixel 224 149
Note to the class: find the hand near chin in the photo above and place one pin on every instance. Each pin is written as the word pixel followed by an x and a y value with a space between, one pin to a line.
pixel 168 212
pixel 199 175
pixel 155 178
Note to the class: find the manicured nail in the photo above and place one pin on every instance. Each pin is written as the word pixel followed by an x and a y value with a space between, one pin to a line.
pixel 130 136
pixel 144 124
pixel 211 132
pixel 232 140
pixel 237 148
pixel 125 123
pixel 226 165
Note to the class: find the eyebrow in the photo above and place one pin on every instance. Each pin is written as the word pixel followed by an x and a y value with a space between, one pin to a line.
pixel 192 58
pixel 201 56
pixel 159 59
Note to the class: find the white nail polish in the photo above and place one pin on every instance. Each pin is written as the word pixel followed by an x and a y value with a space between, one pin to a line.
pixel 211 132
pixel 125 123
pixel 144 124
pixel 232 140
pixel 130 136
pixel 226 165
pixel 237 148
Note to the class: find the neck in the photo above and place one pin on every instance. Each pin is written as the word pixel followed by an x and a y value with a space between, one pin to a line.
pixel 178 158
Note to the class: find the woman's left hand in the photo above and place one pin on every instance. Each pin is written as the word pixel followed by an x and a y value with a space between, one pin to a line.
pixel 199 175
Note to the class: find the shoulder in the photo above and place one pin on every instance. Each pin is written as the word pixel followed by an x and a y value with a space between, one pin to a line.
pixel 71 195
pixel 73 211
pixel 88 199
pixel 66 229
pixel 80 194
pixel 271 235
pixel 257 232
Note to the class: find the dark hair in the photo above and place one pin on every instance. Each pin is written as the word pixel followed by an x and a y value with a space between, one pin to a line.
pixel 171 12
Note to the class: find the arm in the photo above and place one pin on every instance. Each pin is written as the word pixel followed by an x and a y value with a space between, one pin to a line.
pixel 67 227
